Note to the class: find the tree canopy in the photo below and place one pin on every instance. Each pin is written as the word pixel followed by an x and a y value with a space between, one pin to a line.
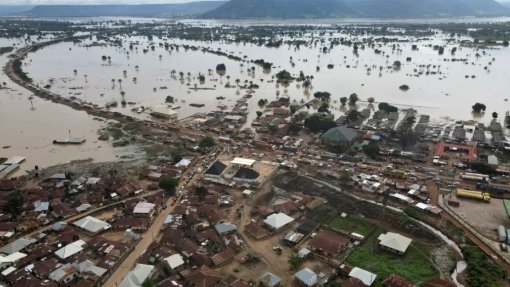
pixel 317 122
pixel 168 183
pixel 478 108
pixel 207 142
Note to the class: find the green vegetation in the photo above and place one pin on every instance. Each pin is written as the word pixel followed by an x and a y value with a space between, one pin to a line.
pixel 207 142
pixel 318 122
pixel 351 224
pixel 372 149
pixel 16 66
pixel 353 99
pixel 478 108
pixel 415 265
pixel 323 213
pixel 295 261
pixel 201 192
pixel 387 108
pixel 168 183
pixel 481 271
pixel 13 204
pixel 284 76
pixel 4 50
pixel 323 96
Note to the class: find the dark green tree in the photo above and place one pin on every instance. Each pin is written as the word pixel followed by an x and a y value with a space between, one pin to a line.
pixel 207 142
pixel 168 183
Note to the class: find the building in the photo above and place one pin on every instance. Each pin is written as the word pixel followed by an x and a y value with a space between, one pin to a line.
pixel 466 153
pixel 245 162
pixel 339 136
pixel 215 170
pixel 144 209
pixel 366 277
pixel 70 249
pixel 225 228
pixel 64 274
pixel 328 243
pixel 246 175
pixel 269 280
pixel 174 261
pixel 92 225
pixel 394 242
pixel 277 221
pixel 306 277
pixel 137 276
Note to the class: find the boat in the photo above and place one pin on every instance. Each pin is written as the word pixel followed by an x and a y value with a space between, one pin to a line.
pixel 197 105
pixel 220 98
pixel 74 141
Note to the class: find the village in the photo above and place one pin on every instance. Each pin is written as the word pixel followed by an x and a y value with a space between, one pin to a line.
pixel 297 195
pixel 282 210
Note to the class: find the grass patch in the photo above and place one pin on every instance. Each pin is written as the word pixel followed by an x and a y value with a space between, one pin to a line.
pixel 481 271
pixel 351 224
pixel 415 265
pixel 323 213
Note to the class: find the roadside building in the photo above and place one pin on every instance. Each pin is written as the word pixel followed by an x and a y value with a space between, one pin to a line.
pixel 395 280
pixel 137 276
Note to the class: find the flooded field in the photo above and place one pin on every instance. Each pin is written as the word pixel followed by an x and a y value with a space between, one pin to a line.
pixel 28 128
pixel 439 86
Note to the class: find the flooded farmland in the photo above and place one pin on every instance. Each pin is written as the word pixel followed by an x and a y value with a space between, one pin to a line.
pixel 439 86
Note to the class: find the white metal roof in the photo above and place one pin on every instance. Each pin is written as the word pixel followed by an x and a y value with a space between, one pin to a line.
pixel 92 224
pixel 366 277
pixel 136 276
pixel 174 261
pixel 243 161
pixel 70 249
pixel 278 220
pixel 394 241
pixel 144 207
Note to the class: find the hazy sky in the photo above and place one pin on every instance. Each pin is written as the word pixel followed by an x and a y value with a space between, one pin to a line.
pixel 35 2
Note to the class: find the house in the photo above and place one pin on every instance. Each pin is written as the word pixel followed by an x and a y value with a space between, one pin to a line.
pixel 203 277
pixel 277 221
pixel 64 274
pixel 89 267
pixel 269 280
pixel 137 276
pixel 175 261
pixel 328 243
pixel 70 249
pixel 225 228
pixel 17 245
pixel 255 230
pixel 397 281
pixel 144 209
pixel 366 277
pixel 243 162
pixel 394 242
pixel 134 223
pixel 306 277
pixel 92 225
pixel 339 136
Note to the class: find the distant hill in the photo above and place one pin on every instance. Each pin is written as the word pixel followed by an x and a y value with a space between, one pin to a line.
pixel 506 4
pixel 285 9
pixel 143 10
pixel 6 10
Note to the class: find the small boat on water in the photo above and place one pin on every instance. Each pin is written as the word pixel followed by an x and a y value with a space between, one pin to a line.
pixel 197 105
pixel 73 141
pixel 220 98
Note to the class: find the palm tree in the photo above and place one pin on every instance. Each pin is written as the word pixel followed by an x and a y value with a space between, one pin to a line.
pixel 120 82
pixel 31 103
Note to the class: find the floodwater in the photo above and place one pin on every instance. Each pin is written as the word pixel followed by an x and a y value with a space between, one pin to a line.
pixel 28 130
pixel 444 92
